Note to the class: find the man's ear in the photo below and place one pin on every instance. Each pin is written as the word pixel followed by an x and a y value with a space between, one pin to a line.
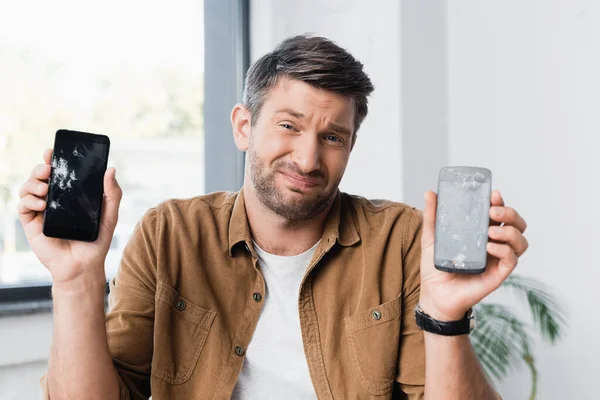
pixel 241 123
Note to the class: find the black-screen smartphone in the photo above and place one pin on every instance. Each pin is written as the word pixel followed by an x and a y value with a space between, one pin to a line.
pixel 462 219
pixel 76 185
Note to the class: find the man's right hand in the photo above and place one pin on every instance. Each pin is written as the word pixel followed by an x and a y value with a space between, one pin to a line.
pixel 67 260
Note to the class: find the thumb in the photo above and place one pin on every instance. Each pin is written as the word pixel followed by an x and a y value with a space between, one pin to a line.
pixel 428 236
pixel 110 208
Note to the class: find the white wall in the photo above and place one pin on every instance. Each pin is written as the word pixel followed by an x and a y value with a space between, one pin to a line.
pixel 20 382
pixel 524 93
pixel 511 85
pixel 24 349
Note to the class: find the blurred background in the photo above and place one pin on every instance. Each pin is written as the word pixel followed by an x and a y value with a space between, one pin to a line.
pixel 512 86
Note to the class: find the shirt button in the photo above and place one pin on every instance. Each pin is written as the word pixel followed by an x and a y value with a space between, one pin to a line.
pixel 180 305
pixel 239 351
pixel 256 296
pixel 376 314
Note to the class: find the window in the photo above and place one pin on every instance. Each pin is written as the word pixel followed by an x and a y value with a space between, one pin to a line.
pixel 132 70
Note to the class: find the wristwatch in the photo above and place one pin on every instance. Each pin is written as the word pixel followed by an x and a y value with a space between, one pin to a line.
pixel 463 326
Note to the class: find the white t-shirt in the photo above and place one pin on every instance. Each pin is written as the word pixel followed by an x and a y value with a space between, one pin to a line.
pixel 275 365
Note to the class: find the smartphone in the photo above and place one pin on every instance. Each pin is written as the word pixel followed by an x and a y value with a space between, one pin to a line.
pixel 462 219
pixel 76 185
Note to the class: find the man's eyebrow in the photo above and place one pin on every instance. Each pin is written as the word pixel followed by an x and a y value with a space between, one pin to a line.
pixel 293 113
pixel 340 129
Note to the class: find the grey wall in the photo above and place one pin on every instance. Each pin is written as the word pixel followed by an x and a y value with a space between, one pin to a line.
pixel 510 85
pixel 524 92
pixel 424 97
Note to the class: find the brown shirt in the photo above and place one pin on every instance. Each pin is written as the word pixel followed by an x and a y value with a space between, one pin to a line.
pixel 185 301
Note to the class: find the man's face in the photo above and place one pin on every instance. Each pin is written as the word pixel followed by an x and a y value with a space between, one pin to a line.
pixel 299 148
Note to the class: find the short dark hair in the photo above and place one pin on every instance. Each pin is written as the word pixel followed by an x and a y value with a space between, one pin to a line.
pixel 312 59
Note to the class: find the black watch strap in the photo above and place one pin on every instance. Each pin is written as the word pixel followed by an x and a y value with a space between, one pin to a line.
pixel 463 326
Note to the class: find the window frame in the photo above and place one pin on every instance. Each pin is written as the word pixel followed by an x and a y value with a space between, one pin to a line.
pixel 224 74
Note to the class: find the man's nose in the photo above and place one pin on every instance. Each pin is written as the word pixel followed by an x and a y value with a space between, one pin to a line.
pixel 307 154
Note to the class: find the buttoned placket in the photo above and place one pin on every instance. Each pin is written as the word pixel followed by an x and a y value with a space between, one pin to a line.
pixel 251 316
pixel 308 326
pixel 310 329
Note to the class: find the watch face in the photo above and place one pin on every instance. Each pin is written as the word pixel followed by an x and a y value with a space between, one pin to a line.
pixel 472 323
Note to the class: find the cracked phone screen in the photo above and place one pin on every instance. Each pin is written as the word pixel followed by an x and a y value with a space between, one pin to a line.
pixel 462 219
pixel 75 189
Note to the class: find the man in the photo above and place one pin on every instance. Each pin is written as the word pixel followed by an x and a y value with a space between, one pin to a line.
pixel 288 288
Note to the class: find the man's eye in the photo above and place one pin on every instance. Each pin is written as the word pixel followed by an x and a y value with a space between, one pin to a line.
pixel 286 126
pixel 333 138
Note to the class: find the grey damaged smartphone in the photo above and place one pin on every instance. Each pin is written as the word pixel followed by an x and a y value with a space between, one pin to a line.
pixel 462 219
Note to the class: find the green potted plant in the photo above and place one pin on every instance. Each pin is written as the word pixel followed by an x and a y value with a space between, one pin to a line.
pixel 503 341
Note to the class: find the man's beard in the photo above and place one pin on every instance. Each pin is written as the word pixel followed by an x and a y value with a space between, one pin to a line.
pixel 298 210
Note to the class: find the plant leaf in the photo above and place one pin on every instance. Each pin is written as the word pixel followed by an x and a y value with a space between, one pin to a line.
pixel 547 314
pixel 500 340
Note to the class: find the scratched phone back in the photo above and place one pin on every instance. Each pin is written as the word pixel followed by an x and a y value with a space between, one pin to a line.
pixel 462 219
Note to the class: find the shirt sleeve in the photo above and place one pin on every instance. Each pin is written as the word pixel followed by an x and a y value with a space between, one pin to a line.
pixel 410 370
pixel 130 319
pixel 123 391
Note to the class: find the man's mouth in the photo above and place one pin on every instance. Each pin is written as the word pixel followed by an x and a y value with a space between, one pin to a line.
pixel 301 181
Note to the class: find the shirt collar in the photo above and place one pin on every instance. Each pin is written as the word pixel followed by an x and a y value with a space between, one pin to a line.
pixel 339 224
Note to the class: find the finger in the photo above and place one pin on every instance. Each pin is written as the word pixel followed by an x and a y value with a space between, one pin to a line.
pixel 508 216
pixel 495 274
pixel 507 259
pixel 48 156
pixel 496 198
pixel 511 236
pixel 35 187
pixel 111 202
pixel 28 207
pixel 428 235
pixel 41 172
pixel 30 203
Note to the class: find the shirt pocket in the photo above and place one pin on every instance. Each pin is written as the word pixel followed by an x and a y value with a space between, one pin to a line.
pixel 373 337
pixel 180 331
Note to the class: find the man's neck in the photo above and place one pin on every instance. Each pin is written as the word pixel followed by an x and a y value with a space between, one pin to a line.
pixel 278 235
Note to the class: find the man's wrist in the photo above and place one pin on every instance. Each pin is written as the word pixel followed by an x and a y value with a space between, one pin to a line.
pixel 89 282
pixel 440 315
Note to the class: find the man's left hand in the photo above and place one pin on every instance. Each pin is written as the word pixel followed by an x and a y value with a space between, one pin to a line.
pixel 447 296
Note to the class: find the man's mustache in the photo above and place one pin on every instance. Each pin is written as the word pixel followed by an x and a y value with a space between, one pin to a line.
pixel 295 169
